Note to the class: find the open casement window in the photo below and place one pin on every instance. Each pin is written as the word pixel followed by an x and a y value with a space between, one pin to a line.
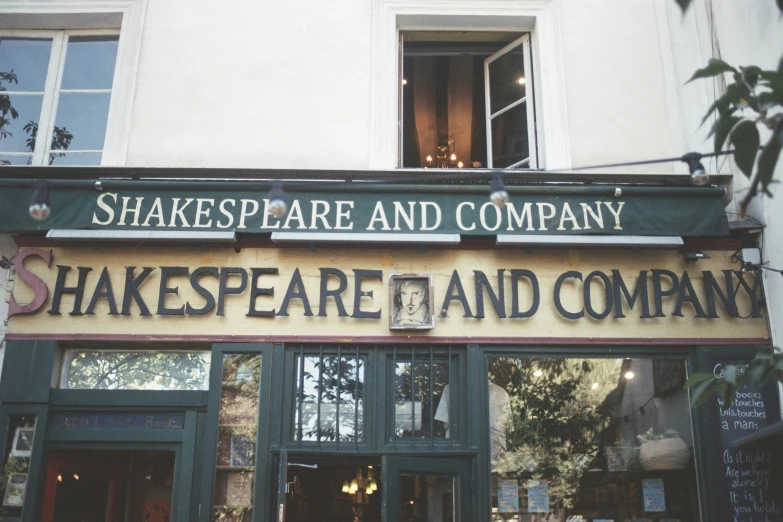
pixel 466 100
pixel 55 87
pixel 511 137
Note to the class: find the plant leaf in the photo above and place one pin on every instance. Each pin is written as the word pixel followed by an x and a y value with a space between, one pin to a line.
pixel 685 4
pixel 769 156
pixel 704 390
pixel 745 137
pixel 721 130
pixel 696 378
pixel 723 104
pixel 714 67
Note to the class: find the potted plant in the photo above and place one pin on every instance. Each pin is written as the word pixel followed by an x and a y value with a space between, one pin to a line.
pixel 620 456
pixel 664 450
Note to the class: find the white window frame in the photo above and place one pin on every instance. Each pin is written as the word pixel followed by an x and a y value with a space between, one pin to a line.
pixel 541 18
pixel 532 158
pixel 85 17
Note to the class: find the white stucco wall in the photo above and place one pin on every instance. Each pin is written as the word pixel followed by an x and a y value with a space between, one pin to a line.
pixel 287 84
pixel 752 34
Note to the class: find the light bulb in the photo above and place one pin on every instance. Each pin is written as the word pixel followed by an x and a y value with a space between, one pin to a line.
pixel 453 157
pixel 538 373
pixel 346 487
pixel 59 477
pixel 629 375
pixel 368 491
pixel 521 80
pixel 700 178
pixel 497 191
pixel 404 81
pixel 75 476
pixel 39 205
pixel 460 165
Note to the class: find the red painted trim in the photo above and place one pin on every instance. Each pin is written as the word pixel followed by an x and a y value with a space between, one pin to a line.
pixel 406 339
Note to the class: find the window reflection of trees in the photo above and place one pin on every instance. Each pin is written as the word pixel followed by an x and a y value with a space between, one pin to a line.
pixel 61 138
pixel 419 387
pixel 553 428
pixel 107 370
pixel 330 399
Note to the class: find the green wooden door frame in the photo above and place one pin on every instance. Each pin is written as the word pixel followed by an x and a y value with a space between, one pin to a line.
pixel 394 467
pixel 209 455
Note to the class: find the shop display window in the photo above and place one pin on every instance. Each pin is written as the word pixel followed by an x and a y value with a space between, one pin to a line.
pixel 590 439
pixel 16 464
pixel 330 397
pixel 237 435
pixel 135 370
pixel 422 396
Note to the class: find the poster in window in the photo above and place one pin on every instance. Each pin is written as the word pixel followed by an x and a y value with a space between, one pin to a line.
pixel 537 497
pixel 508 496
pixel 242 450
pixel 654 496
pixel 14 492
pixel 23 442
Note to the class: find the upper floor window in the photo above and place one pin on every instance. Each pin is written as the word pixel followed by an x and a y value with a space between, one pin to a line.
pixel 55 89
pixel 467 100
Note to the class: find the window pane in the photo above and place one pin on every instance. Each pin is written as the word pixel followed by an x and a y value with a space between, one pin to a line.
pixel 89 62
pixel 421 405
pixel 62 159
pixel 594 438
pixel 509 137
pixel 507 79
pixel 237 434
pixel 81 121
pixel 18 134
pixel 109 370
pixel 15 160
pixel 16 464
pixel 29 61
pixel 330 402
pixel 427 498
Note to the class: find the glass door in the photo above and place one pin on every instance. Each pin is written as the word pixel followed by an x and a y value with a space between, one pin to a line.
pixel 426 489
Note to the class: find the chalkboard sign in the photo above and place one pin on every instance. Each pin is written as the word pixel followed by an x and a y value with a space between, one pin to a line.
pixel 752 481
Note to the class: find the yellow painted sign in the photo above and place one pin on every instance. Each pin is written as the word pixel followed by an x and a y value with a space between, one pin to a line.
pixel 447 295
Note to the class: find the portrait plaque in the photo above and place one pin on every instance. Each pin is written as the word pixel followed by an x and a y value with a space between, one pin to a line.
pixel 411 302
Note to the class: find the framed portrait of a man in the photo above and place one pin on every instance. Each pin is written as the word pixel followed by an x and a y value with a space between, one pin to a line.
pixel 411 302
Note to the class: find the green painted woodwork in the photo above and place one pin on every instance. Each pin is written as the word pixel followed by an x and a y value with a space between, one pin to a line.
pixel 27 377
pixel 27 371
pixel 647 211
pixel 137 399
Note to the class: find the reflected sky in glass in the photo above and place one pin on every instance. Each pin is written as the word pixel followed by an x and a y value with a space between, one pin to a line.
pixel 89 62
pixel 84 115
pixel 29 59
pixel 14 160
pixel 29 109
pixel 75 159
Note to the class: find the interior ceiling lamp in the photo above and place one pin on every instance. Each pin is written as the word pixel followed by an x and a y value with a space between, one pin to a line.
pixel 497 191
pixel 444 159
pixel 39 205
pixel 277 204
pixel 699 174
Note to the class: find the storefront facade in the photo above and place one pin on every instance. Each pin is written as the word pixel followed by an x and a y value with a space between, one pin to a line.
pixel 476 381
